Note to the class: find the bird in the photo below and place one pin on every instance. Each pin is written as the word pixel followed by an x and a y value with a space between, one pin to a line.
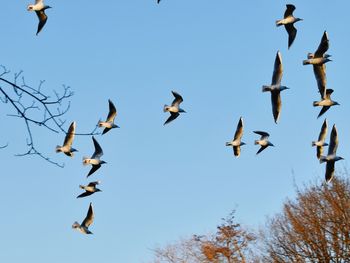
pixel 39 7
pixel 318 60
pixel 326 102
pixel 95 160
pixel 84 226
pixel 89 189
pixel 174 109
pixel 275 88
pixel 288 22
pixel 263 142
pixel 332 157
pixel 321 140
pixel 158 1
pixel 109 123
pixel 68 141
pixel 236 143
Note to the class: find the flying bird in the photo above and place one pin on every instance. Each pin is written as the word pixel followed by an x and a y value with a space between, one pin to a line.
pixel 39 7
pixel 332 157
pixel 84 226
pixel 109 123
pixel 158 1
pixel 319 60
pixel 95 160
pixel 174 109
pixel 236 143
pixel 263 141
pixel 288 22
pixel 68 141
pixel 321 140
pixel 89 189
pixel 275 88
pixel 326 102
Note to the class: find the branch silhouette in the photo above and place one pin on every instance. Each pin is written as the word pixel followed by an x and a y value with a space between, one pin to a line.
pixel 36 108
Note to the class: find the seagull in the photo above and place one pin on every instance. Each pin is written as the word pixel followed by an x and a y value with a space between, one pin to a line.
pixel 84 226
pixel 39 7
pixel 263 142
pixel 68 140
pixel 236 143
pixel 275 88
pixel 288 22
pixel 326 103
pixel 109 123
pixel 95 158
pixel 174 109
pixel 318 60
pixel 89 189
pixel 332 157
pixel 321 140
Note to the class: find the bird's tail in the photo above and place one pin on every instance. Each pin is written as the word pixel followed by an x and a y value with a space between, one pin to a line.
pixel 266 88
pixel 279 23
pixel 165 108
pixel 316 103
pixel 58 149
pixel 306 62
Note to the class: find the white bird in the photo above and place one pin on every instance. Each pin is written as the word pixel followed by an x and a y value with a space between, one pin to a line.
pixel 89 189
pixel 288 22
pixel 332 157
pixel 236 143
pixel 84 226
pixel 275 88
pixel 174 109
pixel 326 102
pixel 95 160
pixel 321 140
pixel 109 123
pixel 39 7
pixel 263 141
pixel 68 141
pixel 319 60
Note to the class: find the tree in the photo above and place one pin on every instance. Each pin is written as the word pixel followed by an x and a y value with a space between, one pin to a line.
pixel 35 107
pixel 313 228
pixel 229 244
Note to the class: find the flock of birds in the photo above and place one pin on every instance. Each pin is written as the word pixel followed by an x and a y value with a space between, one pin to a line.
pixel 318 60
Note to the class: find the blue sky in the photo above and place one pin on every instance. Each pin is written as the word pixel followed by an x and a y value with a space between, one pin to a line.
pixel 161 183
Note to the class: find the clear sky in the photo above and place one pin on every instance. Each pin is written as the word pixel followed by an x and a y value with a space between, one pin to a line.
pixel 162 183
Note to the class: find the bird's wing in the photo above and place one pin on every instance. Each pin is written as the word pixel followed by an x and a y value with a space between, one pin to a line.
pixel 42 20
pixel 68 140
pixel 112 112
pixel 236 150
pixel 261 149
pixel 277 70
pixel 94 169
pixel 323 110
pixel 178 99
pixel 84 194
pixel 173 116
pixel 323 131
pixel 320 75
pixel 239 129
pixel 289 11
pixel 329 93
pixel 158 1
pixel 94 183
pixel 276 104
pixel 319 151
pixel 106 130
pixel 333 142
pixel 292 32
pixel 323 46
pixel 264 135
pixel 38 1
pixel 329 171
pixel 89 219
pixel 98 150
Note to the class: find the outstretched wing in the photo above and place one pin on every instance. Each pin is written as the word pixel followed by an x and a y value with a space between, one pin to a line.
pixel 276 104
pixel 178 99
pixel 264 135
pixel 289 11
pixel 94 169
pixel 320 75
pixel 261 149
pixel 323 46
pixel 239 130
pixel 89 219
pixel 84 194
pixel 329 171
pixel 333 143
pixel 173 116
pixel 277 70
pixel 292 32
pixel 323 132
pixel 68 140
pixel 42 20
pixel 98 150
pixel 112 112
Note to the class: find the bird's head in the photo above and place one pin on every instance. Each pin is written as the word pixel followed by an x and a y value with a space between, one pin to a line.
pixel 75 225
pixel 30 7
